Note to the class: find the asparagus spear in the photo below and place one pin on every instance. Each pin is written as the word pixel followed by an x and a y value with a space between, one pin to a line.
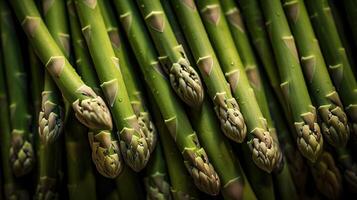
pixel 80 178
pixel 333 118
pixel 309 139
pixel 21 150
pixel 133 145
pixel 90 109
pixel 51 114
pixel 181 186
pixel 183 77
pixel 264 149
pixel 254 19
pixel 196 160
pixel 335 57
pixel 327 177
pixel 135 91
pixel 156 176
pixel 105 155
pixel 128 185
pixel 9 184
pixel 226 107
pixel 348 168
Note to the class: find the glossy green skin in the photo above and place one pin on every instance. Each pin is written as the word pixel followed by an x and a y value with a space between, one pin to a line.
pixel 200 46
pixel 45 46
pixel 159 86
pixel 335 55
pixel 92 23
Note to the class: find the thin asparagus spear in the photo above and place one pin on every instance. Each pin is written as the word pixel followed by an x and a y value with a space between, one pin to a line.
pixel 220 152
pixel 226 107
pixel 80 178
pixel 90 109
pixel 180 181
pixel 22 157
pixel 195 157
pixel 309 139
pixel 51 114
pixel 183 77
pixel 11 188
pixel 335 57
pixel 105 155
pixel 264 148
pixel 327 177
pixel 333 118
pixel 156 177
pixel 134 147
pixel 254 19
pixel 131 80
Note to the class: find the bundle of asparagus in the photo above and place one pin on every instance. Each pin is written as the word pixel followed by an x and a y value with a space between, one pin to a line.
pixel 178 99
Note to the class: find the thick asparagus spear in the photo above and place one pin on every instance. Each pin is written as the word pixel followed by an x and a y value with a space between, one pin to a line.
pixel 196 160
pixel 309 139
pixel 131 80
pixel 133 144
pixel 333 118
pixel 156 176
pixel 90 109
pixel 22 157
pixel 181 184
pixel 183 77
pixel 264 148
pixel 335 57
pixel 11 188
pixel 105 155
pixel 227 109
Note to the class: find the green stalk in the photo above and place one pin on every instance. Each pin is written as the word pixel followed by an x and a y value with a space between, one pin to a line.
pixel 195 158
pixel 131 80
pixel 51 114
pixel 220 152
pixel 81 182
pixel 156 176
pixel 350 7
pixel 254 19
pixel 181 183
pixel 183 77
pixel 327 177
pixel 335 56
pixel 226 107
pixel 333 118
pixel 90 109
pixel 292 157
pixel 22 157
pixel 106 189
pixel 105 155
pixel 133 144
pixel 309 139
pixel 264 148
pixel 10 186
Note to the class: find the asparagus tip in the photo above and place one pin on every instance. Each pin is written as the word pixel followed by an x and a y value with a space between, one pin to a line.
pixel 265 150
pixel 50 122
pixel 105 153
pixel 231 119
pixel 204 175
pixel 149 130
pixel 46 188
pixel 134 148
pixel 157 187
pixel 21 154
pixel 334 125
